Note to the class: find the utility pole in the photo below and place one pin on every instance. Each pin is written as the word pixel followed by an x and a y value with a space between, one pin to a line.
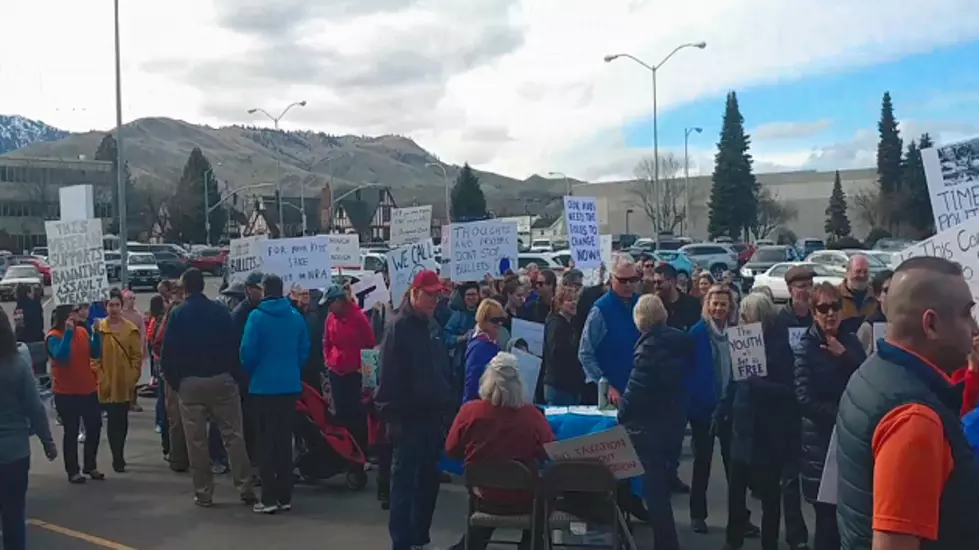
pixel 120 167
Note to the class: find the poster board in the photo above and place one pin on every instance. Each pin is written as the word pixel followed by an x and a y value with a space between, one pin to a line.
pixel 406 262
pixel 482 247
pixel 593 276
pixel 530 331
pixel 244 256
pixel 795 336
pixel 747 351
pixel 613 447
pixel 581 219
pixel 880 333
pixel 369 291
pixel 344 250
pixel 370 360
pixel 410 225
pixel 303 261
pixel 529 367
pixel 952 173
pixel 77 259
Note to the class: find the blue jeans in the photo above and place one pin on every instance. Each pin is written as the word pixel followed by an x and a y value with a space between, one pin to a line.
pixel 414 482
pixel 560 398
pixel 13 503
pixel 656 455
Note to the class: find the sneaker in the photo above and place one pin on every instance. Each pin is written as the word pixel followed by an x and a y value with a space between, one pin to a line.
pixel 219 468
pixel 81 437
pixel 76 479
pixel 95 475
pixel 158 429
pixel 751 531
pixel 260 508
pixel 679 487
pixel 285 507
pixel 203 503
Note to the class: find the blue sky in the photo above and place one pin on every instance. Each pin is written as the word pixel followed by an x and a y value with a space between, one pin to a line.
pixel 790 120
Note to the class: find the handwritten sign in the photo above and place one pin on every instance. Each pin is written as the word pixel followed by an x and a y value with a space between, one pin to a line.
pixel 369 291
pixel 592 276
pixel 880 333
pixel 77 259
pixel 581 219
pixel 409 225
pixel 478 248
pixel 952 173
pixel 532 333
pixel 747 351
pixel 301 260
pixel 244 256
pixel 406 262
pixel 613 447
pixel 528 366
pixel 344 250
pixel 370 360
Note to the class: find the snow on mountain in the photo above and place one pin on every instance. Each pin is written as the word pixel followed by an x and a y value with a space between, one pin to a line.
pixel 17 131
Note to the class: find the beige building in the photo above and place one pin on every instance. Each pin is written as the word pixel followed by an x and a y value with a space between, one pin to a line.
pixel 620 209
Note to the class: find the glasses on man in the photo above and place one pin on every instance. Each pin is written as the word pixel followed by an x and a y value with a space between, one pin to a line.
pixel 628 280
pixel 830 307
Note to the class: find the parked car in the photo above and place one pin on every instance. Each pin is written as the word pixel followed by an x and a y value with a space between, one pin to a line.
pixel 714 257
pixel 774 278
pixel 113 264
pixel 171 264
pixel 143 270
pixel 892 245
pixel 809 245
pixel 19 274
pixel 763 259
pixel 744 250
pixel 764 242
pixel 40 251
pixel 370 263
pixel 42 267
pixel 541 245
pixel 890 259
pixel 4 263
pixel 209 260
pixel 543 260
pixel 680 262
pixel 836 260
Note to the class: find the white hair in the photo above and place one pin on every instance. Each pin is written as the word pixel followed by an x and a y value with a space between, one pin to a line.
pixel 621 260
pixel 852 259
pixel 757 307
pixel 649 312
pixel 500 384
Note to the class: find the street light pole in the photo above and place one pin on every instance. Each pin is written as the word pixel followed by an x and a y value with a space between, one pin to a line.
pixel 278 163
pixel 567 181
pixel 653 69
pixel 686 176
pixel 120 167
pixel 345 195
pixel 445 178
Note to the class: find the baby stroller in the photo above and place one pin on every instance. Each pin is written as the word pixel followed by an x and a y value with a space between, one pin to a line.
pixel 323 449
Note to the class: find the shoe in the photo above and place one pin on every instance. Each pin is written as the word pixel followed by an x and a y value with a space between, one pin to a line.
pixel 219 468
pixel 180 469
pixel 699 526
pixel 249 499
pixel 285 507
pixel 119 468
pixel 158 429
pixel 76 479
pixel 260 508
pixel 81 437
pixel 679 487
pixel 136 408
pixel 751 531
pixel 95 475
pixel 203 503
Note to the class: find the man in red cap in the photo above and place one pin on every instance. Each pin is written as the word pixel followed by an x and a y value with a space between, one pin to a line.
pixel 413 395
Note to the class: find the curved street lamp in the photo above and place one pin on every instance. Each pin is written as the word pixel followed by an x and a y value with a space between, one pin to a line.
pixel 278 166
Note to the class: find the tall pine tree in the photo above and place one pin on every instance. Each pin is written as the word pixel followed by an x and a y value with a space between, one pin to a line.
pixel 919 212
pixel 734 191
pixel 467 199
pixel 889 151
pixel 187 224
pixel 837 223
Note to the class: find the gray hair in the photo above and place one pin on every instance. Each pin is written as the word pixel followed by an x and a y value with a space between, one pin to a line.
pixel 757 308
pixel 762 289
pixel 621 260
pixel 500 384
pixel 649 312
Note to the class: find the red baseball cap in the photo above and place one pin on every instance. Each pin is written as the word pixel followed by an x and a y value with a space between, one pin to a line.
pixel 428 281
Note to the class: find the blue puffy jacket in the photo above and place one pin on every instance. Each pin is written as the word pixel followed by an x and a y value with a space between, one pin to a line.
pixel 480 351
pixel 701 388
pixel 274 348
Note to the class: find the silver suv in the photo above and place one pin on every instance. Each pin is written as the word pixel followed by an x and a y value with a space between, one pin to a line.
pixel 714 257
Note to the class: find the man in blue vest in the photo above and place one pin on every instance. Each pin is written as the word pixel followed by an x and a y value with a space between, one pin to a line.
pixel 908 478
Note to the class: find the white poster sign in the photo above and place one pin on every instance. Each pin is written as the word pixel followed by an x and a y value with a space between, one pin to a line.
pixel 244 256
pixel 529 368
pixel 344 250
pixel 829 483
pixel 409 225
pixel 581 219
pixel 77 259
pixel 406 262
pixel 370 290
pixel 795 336
pixel 77 202
pixel 303 261
pixel 880 333
pixel 446 247
pixel 952 173
pixel 478 248
pixel 532 333
pixel 593 276
pixel 747 351
pixel 613 447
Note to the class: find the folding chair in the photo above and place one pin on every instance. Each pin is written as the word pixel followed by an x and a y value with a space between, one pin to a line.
pixel 500 474
pixel 585 478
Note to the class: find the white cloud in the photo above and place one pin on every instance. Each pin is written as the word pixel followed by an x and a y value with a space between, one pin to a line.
pixel 789 130
pixel 516 86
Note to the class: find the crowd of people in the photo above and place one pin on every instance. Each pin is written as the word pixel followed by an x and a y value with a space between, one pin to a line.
pixel 230 371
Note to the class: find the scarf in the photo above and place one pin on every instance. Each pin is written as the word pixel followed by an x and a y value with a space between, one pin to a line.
pixel 721 352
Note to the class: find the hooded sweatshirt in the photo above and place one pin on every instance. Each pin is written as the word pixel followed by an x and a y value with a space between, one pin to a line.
pixel 344 338
pixel 274 348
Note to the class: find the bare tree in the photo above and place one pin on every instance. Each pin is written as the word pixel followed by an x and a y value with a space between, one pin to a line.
pixel 867 204
pixel 772 212
pixel 664 204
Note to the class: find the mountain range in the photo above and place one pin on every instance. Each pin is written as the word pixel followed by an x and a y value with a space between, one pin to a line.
pixel 157 148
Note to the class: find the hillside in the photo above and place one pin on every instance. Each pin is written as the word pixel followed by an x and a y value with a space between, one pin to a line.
pixel 17 132
pixel 157 148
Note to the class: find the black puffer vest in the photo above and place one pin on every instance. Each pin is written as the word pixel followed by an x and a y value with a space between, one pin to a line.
pixel 887 380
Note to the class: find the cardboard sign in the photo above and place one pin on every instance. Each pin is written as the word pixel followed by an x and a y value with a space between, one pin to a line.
pixel 581 219
pixel 483 247
pixel 244 256
pixel 344 250
pixel 795 336
pixel 880 333
pixel 410 225
pixel 613 447
pixel 406 262
pixel 532 332
pixel 952 173
pixel 77 259
pixel 369 291
pixel 747 351
pixel 301 260
pixel 959 244
pixel 529 368
pixel 370 360
pixel 592 276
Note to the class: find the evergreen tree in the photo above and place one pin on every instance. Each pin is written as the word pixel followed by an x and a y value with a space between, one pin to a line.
pixel 837 223
pixel 919 211
pixel 134 220
pixel 734 191
pixel 467 199
pixel 187 224
pixel 889 151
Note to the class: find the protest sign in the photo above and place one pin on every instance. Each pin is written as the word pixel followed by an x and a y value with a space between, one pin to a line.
pixel 409 225
pixel 369 291
pixel 532 333
pixel 529 368
pixel 344 250
pixel 406 262
pixel 301 261
pixel 880 333
pixel 829 482
pixel 478 248
pixel 581 219
pixel 613 447
pixel 446 247
pixel 592 276
pixel 747 351
pixel 370 360
pixel 244 256
pixel 77 260
pixel 952 173
pixel 959 244
pixel 795 336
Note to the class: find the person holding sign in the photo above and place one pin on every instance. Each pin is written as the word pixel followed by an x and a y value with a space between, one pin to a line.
pixel 870 329
pixel 824 362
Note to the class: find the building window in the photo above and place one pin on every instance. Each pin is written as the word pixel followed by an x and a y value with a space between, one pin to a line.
pixel 386 214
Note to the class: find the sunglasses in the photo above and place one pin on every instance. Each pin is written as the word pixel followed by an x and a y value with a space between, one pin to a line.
pixel 497 320
pixel 825 308
pixel 634 279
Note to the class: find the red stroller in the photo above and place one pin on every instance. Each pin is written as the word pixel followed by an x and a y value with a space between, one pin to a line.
pixel 324 449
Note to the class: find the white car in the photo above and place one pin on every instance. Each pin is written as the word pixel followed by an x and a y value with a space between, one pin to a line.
pixel 21 274
pixel 370 263
pixel 837 260
pixel 143 270
pixel 541 245
pixel 543 260
pixel 774 278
